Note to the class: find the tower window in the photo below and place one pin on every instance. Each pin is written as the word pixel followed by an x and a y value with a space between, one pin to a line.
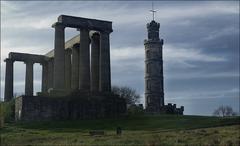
pixel 148 54
pixel 148 99
pixel 148 85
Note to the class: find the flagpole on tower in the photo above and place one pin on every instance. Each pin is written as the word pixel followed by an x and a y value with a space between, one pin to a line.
pixel 153 11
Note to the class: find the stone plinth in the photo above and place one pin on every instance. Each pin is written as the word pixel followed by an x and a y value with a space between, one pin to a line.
pixel 32 108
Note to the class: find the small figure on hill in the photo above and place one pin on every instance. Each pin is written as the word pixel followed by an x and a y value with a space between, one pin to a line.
pixel 119 130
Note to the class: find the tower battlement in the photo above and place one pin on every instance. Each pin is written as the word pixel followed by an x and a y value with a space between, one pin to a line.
pixel 153 30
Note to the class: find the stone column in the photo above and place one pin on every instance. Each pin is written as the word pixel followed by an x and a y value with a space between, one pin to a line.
pixel 105 72
pixel 29 78
pixel 8 94
pixel 75 67
pixel 59 57
pixel 44 76
pixel 84 60
pixel 95 53
pixel 68 69
pixel 50 73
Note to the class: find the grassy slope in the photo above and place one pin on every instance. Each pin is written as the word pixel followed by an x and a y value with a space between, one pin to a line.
pixel 137 130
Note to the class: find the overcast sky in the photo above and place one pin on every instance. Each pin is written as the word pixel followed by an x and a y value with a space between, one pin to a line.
pixel 200 52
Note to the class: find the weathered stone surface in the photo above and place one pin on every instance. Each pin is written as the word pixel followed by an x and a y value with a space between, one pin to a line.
pixel 68 44
pixel 95 55
pixel 90 24
pixel 29 78
pixel 59 57
pixel 105 71
pixel 75 67
pixel 66 80
pixel 29 60
pixel 50 73
pixel 84 60
pixel 44 76
pixel 8 94
pixel 31 108
pixel 68 69
pixel 154 90
pixel 15 56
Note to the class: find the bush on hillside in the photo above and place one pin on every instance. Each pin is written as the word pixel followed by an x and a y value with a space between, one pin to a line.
pixel 135 109
pixel 128 93
pixel 7 110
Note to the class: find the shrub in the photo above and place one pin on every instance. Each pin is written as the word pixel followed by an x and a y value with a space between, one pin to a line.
pixel 135 109
pixel 129 94
pixel 7 110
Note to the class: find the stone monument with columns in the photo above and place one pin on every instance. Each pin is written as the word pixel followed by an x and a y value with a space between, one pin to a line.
pixel 80 80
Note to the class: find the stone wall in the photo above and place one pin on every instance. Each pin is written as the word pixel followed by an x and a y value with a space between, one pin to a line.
pixel 30 108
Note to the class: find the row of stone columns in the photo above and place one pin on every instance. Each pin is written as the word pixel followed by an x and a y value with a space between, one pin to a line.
pixel 8 94
pixel 78 73
pixel 71 68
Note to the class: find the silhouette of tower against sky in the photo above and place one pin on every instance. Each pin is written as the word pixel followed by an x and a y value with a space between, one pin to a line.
pixel 154 91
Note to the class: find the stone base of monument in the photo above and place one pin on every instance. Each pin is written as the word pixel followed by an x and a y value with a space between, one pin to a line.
pixel 71 107
pixel 166 109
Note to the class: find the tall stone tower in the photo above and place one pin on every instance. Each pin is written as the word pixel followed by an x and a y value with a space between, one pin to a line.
pixel 154 92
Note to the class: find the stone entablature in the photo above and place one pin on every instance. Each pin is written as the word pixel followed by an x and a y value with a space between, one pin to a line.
pixel 86 23
pixel 15 56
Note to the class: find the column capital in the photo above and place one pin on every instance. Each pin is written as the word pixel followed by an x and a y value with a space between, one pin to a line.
pixel 95 35
pixel 77 45
pixel 68 50
pixel 84 30
pixel 58 24
pixel 8 60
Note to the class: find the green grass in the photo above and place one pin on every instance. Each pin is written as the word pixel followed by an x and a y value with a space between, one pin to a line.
pixel 137 130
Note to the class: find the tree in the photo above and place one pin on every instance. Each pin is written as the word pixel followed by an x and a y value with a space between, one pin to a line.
pixel 127 93
pixel 224 111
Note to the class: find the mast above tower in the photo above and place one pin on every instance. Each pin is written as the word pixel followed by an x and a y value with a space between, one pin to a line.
pixel 153 11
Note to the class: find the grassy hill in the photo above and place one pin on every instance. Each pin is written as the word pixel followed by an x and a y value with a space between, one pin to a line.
pixel 137 130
